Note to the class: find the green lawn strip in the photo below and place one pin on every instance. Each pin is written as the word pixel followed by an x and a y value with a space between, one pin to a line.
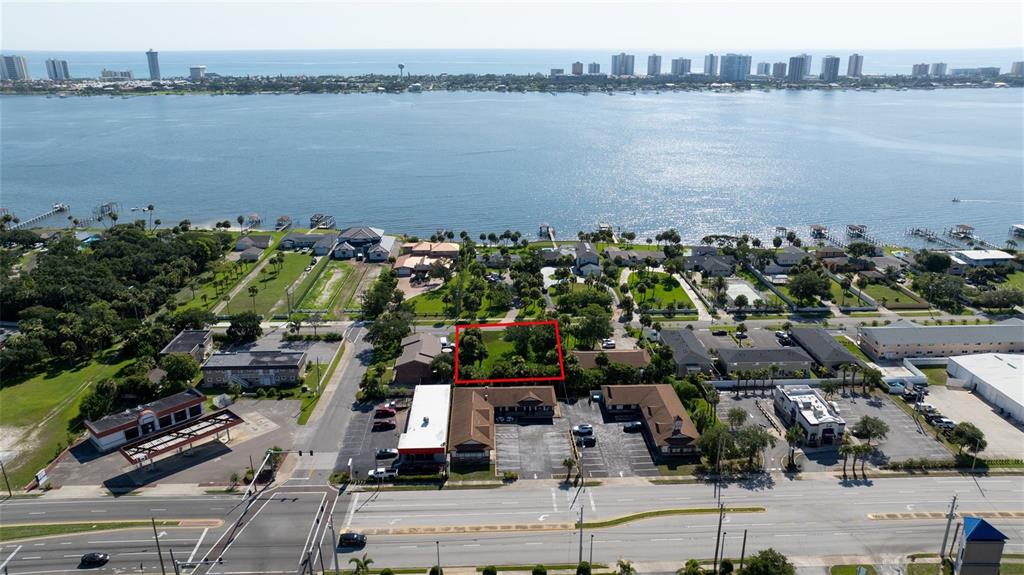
pixel 850 569
pixel 31 531
pixel 930 568
pixel 850 299
pixel 549 567
pixel 308 405
pixel 665 513
pixel 396 571
pixel 892 295
pixel 463 472
pixel 920 313
pixel 323 293
pixel 852 348
pixel 662 295
pixel 271 286
pixel 1011 569
pixel 677 469
pixel 27 402
pixel 636 246
pixel 1016 279
pixel 936 374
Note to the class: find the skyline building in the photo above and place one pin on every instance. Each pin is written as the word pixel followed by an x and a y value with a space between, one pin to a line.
pixel 57 70
pixel 593 68
pixel 796 69
pixel 734 67
pixel 680 66
pixel 855 66
pixel 711 65
pixel 117 75
pixel 197 73
pixel 938 70
pixel 154 64
pixel 14 68
pixel 830 68
pixel 779 70
pixel 577 68
pixel 1017 68
pixel 622 64
pixel 654 65
pixel 764 68
pixel 919 70
pixel 807 64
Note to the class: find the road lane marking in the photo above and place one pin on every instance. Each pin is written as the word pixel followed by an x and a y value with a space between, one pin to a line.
pixel 406 546
pixel 554 501
pixel 97 511
pixel 37 513
pixel 38 544
pixel 590 494
pixel 534 543
pixel 9 557
pixel 198 543
pixel 158 509
pixel 351 511
pixel 316 523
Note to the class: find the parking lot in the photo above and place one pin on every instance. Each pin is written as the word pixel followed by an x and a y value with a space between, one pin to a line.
pixel 1005 440
pixel 755 338
pixel 361 443
pixel 534 451
pixel 616 453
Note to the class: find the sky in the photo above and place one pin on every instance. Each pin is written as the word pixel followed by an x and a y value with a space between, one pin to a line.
pixel 510 24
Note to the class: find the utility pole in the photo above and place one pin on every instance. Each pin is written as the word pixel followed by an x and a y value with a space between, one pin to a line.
pixel 743 550
pixel 945 536
pixel 581 533
pixel 163 570
pixel 438 545
pixel 718 537
pixel 174 562
pixel 6 482
pixel 334 536
pixel 952 542
pixel 591 549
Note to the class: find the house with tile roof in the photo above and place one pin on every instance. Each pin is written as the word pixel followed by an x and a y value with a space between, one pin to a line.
pixel 668 429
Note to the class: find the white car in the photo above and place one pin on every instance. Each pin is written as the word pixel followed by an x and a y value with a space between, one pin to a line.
pixel 608 344
pixel 382 473
pixel 583 429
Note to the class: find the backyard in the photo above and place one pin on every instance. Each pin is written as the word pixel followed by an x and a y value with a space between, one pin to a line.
pixel 666 291
pixel 271 285
pixel 844 299
pixel 1016 280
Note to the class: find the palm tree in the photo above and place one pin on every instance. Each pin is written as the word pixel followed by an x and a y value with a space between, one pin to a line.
pixel 626 567
pixel 843 367
pixel 362 565
pixel 865 452
pixel 692 567
pixel 253 290
pixel 568 463
pixel 854 368
pixel 401 69
pixel 793 436
pixel 773 370
pixel 846 449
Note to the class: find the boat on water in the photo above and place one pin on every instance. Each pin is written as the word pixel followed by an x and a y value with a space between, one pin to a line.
pixel 956 200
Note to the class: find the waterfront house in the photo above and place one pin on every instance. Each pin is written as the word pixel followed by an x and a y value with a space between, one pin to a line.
pixel 586 254
pixel 261 241
pixel 823 252
pixel 632 257
pixel 382 250
pixel 668 429
pixel 433 249
pixel 250 255
pixel 983 258
pixel 344 251
pixel 790 256
pixel 711 265
pixel 409 264
pixel 360 236
pixel 320 244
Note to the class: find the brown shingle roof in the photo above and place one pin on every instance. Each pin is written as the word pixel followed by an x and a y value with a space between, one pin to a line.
pixel 663 413
pixel 472 416
pixel 632 357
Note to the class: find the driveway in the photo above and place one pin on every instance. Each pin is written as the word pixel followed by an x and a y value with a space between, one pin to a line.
pixel 617 453
pixel 1005 440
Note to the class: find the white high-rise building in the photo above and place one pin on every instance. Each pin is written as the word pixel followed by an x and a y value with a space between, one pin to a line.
pixel 710 65
pixel 807 64
pixel 764 68
pixel 622 64
pixel 830 68
pixel 938 70
pixel 57 70
pixel 855 66
pixel 14 68
pixel 654 65
pixel 196 73
pixel 1017 68
pixel 680 66
pixel 154 64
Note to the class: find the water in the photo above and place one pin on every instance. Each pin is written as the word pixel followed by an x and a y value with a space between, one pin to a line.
pixel 356 62
pixel 700 162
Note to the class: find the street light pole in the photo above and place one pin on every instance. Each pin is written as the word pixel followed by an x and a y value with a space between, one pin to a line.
pixel 581 533
pixel 591 549
pixel 438 545
pixel 718 536
pixel 945 536
pixel 334 536
pixel 743 550
pixel 156 538
pixel 6 482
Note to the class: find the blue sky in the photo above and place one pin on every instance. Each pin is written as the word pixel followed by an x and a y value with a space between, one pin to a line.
pixel 483 24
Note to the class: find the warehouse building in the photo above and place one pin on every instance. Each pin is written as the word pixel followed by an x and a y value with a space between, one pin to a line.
pixel 998 377
pixel 905 338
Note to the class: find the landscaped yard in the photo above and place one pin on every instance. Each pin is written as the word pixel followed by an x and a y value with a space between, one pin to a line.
pixel 849 299
pixel 429 303
pixel 271 285
pixel 50 401
pixel 327 286
pixel 888 296
pixel 666 291
pixel 1016 279
pixel 496 347
pixel 936 374
pixel 852 348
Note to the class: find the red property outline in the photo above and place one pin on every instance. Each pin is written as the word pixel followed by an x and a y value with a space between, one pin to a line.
pixel 558 345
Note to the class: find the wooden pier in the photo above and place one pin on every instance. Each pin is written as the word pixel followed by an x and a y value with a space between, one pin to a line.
pixel 56 209
pixel 930 236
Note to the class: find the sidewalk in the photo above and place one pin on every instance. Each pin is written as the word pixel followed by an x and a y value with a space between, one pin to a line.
pixel 702 312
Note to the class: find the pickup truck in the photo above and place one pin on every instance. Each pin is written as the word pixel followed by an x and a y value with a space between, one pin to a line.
pixel 382 473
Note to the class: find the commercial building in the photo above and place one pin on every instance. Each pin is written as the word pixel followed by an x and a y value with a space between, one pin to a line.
pixel 680 66
pixel 14 68
pixel 787 360
pixel 593 68
pixel 710 65
pixel 855 66
pixel 983 258
pixel 153 58
pixel 668 429
pixel 734 67
pixel 413 364
pixel 989 72
pixel 254 368
pixel 577 68
pixel 654 65
pixel 688 353
pixel 980 549
pixel 57 70
pixel 824 348
pixel 764 68
pixel 1017 69
pixel 471 436
pixel 830 68
pixel 195 342
pixel 116 429
pixel 557 72
pixel 196 73
pixel 905 338
pixel 779 70
pixel 800 405
pixel 116 75
pixel 919 70
pixel 425 439
pixel 998 377
pixel 938 70
pixel 622 64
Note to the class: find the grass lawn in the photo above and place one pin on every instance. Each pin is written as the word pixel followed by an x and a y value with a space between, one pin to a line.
pixel 271 285
pixel 837 295
pixel 936 374
pixel 852 348
pixel 892 295
pixel 666 291
pixel 429 303
pixel 470 472
pixel 49 399
pixel 636 245
pixel 850 570
pixel 933 568
pixel 328 285
pixel 496 347
pixel 1016 279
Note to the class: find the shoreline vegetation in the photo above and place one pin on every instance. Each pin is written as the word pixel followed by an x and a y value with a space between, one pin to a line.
pixel 500 83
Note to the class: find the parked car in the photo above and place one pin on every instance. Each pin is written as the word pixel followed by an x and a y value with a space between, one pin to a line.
pixel 896 388
pixel 944 423
pixel 781 334
pixel 632 426
pixel 382 473
pixel 741 335
pixel 719 332
pixel 608 343
pixel 933 417
pixel 924 407
pixel 95 559
pixel 583 429
pixel 352 540
pixel 385 412
pixel 387 453
pixel 383 424
pixel 586 441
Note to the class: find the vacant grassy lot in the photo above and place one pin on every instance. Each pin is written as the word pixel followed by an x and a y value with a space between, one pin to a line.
pixel 45 406
pixel 844 299
pixel 891 295
pixel 1016 279
pixel 496 347
pixel 327 285
pixel 271 285
pixel 666 291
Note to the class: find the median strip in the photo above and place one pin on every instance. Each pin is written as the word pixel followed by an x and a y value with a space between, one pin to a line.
pixel 38 530
pixel 665 513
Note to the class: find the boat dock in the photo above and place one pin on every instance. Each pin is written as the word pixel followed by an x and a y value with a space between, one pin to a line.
pixel 56 209
pixel 930 236
pixel 859 232
pixel 965 233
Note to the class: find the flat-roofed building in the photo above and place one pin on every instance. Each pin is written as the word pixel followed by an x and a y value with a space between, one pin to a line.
pixel 905 338
pixel 116 429
pixel 976 258
pixel 254 368
pixel 668 429
pixel 475 410
pixel 637 358
pixel 804 406
pixel 425 439
pixel 998 377
pixel 195 342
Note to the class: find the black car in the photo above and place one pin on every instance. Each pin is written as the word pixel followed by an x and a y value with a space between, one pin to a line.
pixel 587 441
pixel 95 559
pixel 352 540
pixel 719 332
pixel 632 426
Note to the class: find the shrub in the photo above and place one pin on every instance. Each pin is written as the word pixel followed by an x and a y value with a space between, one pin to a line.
pixel 510 476
pixel 490 570
pixel 387 571
pixel 436 570
pixel 582 569
pixel 539 569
